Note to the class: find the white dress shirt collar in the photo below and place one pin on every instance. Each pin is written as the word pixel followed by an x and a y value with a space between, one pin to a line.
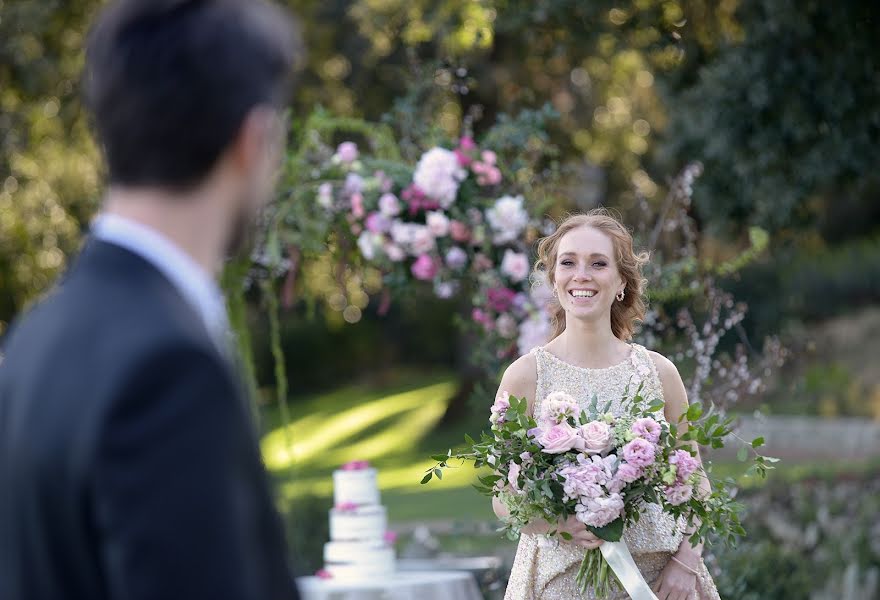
pixel 196 286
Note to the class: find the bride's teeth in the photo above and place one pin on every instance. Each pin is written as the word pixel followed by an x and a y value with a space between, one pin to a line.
pixel 583 293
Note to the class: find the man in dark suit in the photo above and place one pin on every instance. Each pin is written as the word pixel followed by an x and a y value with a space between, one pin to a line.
pixel 128 464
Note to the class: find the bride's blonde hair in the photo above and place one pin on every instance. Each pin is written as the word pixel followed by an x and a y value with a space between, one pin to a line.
pixel 624 314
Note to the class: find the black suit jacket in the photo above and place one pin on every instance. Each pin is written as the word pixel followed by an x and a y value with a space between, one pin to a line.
pixel 129 468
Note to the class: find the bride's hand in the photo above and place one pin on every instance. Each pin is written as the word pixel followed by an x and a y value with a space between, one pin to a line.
pixel 676 582
pixel 580 535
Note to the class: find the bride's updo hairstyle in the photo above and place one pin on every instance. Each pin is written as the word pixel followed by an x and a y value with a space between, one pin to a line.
pixel 625 313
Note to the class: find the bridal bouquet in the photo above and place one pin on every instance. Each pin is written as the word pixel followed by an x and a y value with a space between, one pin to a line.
pixel 601 468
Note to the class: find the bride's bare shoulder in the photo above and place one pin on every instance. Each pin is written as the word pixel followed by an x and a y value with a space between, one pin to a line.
pixel 520 379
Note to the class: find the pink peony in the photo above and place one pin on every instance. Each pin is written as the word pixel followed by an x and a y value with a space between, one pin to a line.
pixel 678 494
pixel 685 464
pixel 598 437
pixel 424 268
pixel 598 512
pixel 585 478
pixel 459 231
pixel 515 265
pixel 347 152
pixel 639 453
pixel 628 473
pixel 648 429
pixel 560 438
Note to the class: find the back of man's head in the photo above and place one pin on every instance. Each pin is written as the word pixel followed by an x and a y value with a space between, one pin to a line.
pixel 170 82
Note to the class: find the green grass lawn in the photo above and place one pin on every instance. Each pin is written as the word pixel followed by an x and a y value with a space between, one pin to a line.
pixel 394 426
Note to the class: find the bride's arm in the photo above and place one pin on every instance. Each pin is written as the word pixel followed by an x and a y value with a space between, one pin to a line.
pixel 676 404
pixel 521 380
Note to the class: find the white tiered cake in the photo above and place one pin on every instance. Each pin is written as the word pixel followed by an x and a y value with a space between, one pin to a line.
pixel 358 547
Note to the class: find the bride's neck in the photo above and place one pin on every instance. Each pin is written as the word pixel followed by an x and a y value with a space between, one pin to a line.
pixel 590 345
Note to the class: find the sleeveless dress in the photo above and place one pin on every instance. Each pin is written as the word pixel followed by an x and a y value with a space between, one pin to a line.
pixel 542 572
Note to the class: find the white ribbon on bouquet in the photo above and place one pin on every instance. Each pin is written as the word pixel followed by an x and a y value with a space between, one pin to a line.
pixel 621 562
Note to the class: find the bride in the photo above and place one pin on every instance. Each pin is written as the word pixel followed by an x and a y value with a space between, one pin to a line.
pixel 596 277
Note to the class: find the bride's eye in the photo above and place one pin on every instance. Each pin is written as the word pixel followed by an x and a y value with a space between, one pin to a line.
pixel 599 264
pixel 566 263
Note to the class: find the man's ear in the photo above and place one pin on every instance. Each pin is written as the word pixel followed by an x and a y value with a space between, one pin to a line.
pixel 252 139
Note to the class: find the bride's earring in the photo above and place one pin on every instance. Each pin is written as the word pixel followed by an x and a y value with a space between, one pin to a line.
pixel 620 296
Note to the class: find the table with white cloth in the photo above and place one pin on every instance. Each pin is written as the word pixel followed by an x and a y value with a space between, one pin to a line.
pixel 403 585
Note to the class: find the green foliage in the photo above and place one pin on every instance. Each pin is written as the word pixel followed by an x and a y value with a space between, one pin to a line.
pixel 788 111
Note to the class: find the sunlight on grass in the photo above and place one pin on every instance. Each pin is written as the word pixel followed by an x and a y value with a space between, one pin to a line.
pixel 315 435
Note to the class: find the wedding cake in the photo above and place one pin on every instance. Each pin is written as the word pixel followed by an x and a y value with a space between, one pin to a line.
pixel 359 546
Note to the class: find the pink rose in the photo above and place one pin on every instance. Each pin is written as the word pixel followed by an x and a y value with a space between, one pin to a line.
pixel 347 152
pixel 678 494
pixel 459 231
pixel 355 465
pixel 628 473
pixel 598 437
pixel 639 453
pixel 560 438
pixel 424 268
pixel 685 464
pixel 648 429
pixel 515 265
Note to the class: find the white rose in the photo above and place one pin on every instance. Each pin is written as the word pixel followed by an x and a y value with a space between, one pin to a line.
pixel 438 175
pixel 507 218
pixel 438 223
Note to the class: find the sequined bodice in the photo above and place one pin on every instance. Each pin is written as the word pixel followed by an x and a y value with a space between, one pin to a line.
pixel 655 530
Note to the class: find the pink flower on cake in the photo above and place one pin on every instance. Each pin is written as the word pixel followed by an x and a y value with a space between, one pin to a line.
pixel 390 537
pixel 639 453
pixel 356 465
pixel 648 429
pixel 323 574
pixel 346 506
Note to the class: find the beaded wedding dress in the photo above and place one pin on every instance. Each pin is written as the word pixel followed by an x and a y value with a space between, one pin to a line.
pixel 543 572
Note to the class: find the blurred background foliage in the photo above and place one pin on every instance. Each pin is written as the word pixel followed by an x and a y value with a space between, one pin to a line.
pixel 780 100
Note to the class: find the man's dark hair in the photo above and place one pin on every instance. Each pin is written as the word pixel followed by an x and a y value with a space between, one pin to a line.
pixel 170 82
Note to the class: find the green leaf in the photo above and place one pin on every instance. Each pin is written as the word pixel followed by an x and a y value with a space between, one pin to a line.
pixel 438 473
pixel 426 478
pixel 439 457
pixel 742 454
pixel 566 536
pixel 611 532
pixel 694 411
pixel 757 442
